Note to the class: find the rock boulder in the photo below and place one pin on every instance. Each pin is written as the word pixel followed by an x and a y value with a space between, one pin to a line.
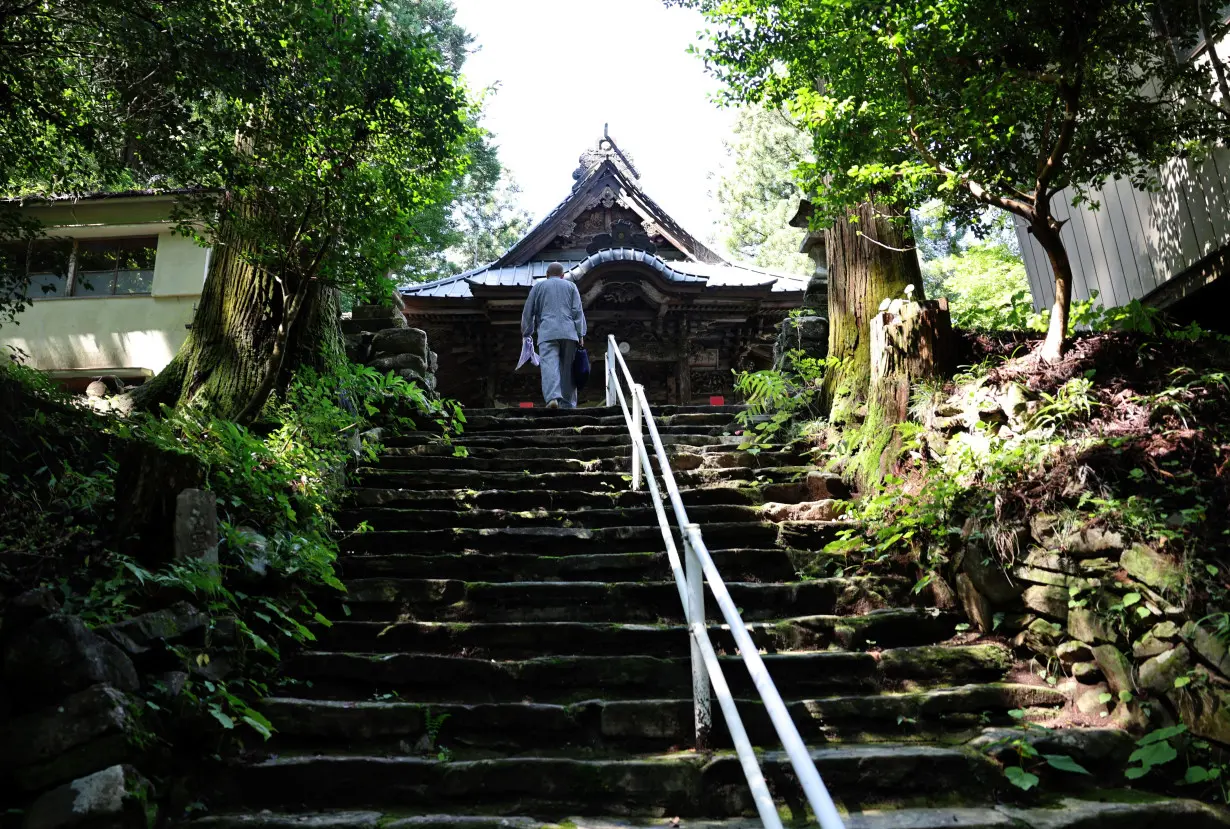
pixel 58 656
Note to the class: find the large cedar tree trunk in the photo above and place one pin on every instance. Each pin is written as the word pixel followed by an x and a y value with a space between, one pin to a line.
pixel 871 258
pixel 247 337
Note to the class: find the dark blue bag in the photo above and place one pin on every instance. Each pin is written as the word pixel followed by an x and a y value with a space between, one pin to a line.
pixel 580 369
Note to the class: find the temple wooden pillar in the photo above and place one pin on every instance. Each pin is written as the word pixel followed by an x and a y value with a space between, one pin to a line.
pixel 683 366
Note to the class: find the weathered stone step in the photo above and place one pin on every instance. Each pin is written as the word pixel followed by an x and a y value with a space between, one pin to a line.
pixel 637 725
pixel 737 565
pixel 432 678
pixel 889 628
pixel 683 784
pixel 408 518
pixel 601 451
pixel 569 540
pixel 367 476
pixel 477 423
pixel 543 413
pixel 739 493
pixel 613 462
pixel 566 438
pixel 446 600
pixel 1118 810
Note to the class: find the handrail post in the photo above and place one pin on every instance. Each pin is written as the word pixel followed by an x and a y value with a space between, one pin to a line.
pixel 637 436
pixel 702 695
pixel 611 380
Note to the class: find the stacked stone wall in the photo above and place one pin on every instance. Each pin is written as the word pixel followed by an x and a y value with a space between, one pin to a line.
pixel 380 337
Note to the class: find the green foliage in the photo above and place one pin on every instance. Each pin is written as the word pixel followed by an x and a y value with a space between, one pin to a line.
pixel 979 271
pixel 331 136
pixel 1020 778
pixel 757 194
pixel 434 723
pixel 277 490
pixel 1071 402
pixel 56 471
pixel 481 220
pixel 1030 761
pixel 356 127
pixel 1154 749
pixel 944 99
pixel 779 402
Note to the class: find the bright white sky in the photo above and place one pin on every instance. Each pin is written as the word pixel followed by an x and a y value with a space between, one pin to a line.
pixel 566 67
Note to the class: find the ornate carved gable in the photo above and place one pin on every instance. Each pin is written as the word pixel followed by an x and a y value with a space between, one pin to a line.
pixel 607 192
pixel 623 234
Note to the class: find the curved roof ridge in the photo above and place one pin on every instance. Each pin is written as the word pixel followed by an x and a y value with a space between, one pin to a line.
pixel 606 255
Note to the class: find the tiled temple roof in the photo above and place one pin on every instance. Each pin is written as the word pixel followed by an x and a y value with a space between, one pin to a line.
pixel 711 275
pixel 607 174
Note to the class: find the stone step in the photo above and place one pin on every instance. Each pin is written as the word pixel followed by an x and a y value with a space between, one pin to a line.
pixel 556 439
pixel 538 411
pixel 696 435
pixel 419 677
pixel 406 518
pixel 1117 810
pixel 367 476
pixel 682 784
pixel 451 600
pixel 600 451
pixel 612 462
pixel 560 541
pixel 895 627
pixel 638 725
pixel 737 565
pixel 519 500
pixel 477 423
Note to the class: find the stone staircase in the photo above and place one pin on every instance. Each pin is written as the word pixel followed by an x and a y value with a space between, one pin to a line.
pixel 511 652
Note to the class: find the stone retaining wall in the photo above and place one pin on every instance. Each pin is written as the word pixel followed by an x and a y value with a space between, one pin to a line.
pixel 1092 605
pixel 380 337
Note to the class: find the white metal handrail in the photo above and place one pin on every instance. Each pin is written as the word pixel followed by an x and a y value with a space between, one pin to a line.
pixel 690 576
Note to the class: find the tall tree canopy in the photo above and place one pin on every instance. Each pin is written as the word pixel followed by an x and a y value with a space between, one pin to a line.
pixel 757 193
pixel 324 140
pixel 1000 103
pixel 357 130
pixel 482 221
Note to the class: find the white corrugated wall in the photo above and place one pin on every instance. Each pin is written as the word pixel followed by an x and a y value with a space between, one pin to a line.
pixel 1137 240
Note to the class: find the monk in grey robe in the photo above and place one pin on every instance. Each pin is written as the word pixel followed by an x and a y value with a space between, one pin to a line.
pixel 553 311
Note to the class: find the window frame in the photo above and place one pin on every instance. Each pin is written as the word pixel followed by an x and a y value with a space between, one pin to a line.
pixel 71 280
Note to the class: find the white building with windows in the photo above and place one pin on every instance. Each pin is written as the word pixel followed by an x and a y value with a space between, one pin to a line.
pixel 113 286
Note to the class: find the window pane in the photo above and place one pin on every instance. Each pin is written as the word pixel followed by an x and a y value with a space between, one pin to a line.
pixel 136 265
pixel 95 268
pixel 13 267
pixel 48 268
pixel 134 282
pixel 137 254
pixel 94 283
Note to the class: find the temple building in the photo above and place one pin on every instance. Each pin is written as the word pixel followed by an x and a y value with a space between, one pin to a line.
pixel 684 317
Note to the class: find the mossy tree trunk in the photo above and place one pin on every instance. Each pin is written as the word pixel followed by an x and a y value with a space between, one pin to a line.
pixel 911 343
pixel 871 258
pixel 254 326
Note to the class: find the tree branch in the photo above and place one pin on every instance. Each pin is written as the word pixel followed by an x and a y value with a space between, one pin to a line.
pixel 1219 67
pixel 1019 207
pixel 1071 94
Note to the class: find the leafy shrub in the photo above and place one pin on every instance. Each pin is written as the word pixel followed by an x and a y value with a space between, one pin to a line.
pixel 779 402
pixel 277 489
